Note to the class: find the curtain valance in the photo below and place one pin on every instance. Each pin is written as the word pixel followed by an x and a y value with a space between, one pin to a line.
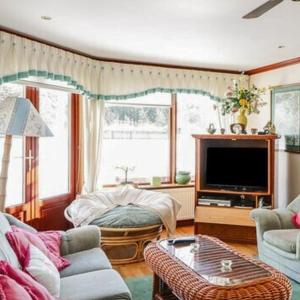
pixel 21 57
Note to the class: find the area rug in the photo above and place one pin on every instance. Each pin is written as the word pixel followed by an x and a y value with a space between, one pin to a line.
pixel 141 288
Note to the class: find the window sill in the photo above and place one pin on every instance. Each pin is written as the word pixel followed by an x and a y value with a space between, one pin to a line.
pixel 160 187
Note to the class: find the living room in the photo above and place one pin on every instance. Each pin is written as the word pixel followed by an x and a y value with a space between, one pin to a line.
pixel 150 150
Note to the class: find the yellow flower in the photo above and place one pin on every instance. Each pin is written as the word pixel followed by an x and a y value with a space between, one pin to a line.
pixel 243 102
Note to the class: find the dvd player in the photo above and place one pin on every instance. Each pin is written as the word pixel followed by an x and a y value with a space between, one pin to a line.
pixel 215 202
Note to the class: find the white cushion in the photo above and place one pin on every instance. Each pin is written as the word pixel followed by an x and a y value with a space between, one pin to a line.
pixel 43 271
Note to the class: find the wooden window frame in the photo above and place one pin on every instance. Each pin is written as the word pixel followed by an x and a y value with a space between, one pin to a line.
pixel 172 147
pixel 33 209
pixel 173 138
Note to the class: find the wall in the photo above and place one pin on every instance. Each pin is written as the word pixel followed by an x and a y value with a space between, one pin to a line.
pixel 287 164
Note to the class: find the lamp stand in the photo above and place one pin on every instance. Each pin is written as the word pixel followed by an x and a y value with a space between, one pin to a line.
pixel 4 170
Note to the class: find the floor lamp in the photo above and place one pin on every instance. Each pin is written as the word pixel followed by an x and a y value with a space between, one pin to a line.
pixel 18 117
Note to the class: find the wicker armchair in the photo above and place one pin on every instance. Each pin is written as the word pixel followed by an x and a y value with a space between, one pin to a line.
pixel 278 239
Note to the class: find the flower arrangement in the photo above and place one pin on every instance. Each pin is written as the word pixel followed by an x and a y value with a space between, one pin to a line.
pixel 238 98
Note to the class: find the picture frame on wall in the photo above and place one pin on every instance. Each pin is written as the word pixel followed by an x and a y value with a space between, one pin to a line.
pixel 285 114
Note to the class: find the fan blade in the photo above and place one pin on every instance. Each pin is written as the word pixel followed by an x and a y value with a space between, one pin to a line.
pixel 262 9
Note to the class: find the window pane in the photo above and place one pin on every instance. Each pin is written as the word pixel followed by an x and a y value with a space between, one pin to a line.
pixel 194 113
pixel 15 181
pixel 54 151
pixel 136 135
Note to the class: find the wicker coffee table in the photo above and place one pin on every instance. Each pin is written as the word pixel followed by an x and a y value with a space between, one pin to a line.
pixel 196 272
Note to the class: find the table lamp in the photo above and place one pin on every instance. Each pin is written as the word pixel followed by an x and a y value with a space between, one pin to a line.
pixel 18 117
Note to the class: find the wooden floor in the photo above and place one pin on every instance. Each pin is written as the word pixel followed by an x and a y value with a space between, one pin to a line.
pixel 141 269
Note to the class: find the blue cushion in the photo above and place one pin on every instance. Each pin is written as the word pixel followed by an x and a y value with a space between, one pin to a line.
pixel 284 239
pixel 127 216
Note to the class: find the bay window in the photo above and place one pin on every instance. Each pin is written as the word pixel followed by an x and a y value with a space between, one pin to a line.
pixel 152 135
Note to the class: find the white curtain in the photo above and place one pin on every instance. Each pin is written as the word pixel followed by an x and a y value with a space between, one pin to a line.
pixel 93 114
pixel 21 58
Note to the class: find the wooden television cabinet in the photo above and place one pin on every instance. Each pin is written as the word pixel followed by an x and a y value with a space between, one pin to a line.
pixel 231 223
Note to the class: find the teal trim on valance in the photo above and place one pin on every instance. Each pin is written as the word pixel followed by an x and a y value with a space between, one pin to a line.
pixel 154 90
pixel 74 84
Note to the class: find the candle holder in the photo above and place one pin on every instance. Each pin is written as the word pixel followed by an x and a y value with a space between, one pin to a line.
pixel 195 247
pixel 226 265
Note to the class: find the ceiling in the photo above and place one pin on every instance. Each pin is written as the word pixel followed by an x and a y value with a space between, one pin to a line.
pixel 200 33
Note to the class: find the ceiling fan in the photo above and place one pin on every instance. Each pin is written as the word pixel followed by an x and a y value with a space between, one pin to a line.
pixel 263 9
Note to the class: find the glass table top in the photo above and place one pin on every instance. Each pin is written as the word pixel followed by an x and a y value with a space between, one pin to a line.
pixel 215 263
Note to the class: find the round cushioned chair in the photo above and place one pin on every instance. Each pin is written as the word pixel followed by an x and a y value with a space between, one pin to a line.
pixel 126 231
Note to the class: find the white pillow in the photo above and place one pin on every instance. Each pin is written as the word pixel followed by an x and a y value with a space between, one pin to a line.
pixel 43 271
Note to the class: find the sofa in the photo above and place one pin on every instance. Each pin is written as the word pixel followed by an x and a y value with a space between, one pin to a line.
pixel 278 239
pixel 90 275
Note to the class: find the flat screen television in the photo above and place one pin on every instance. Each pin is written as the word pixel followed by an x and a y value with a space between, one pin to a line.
pixel 237 168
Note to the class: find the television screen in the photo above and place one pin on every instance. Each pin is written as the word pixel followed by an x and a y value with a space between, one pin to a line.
pixel 238 168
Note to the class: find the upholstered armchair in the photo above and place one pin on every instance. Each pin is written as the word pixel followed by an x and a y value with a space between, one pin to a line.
pixel 278 240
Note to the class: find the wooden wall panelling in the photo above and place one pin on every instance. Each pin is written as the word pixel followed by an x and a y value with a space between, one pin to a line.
pixel 19 211
pixel 228 233
pixel 52 213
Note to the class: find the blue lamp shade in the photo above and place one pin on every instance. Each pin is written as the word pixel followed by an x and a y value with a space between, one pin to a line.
pixel 19 117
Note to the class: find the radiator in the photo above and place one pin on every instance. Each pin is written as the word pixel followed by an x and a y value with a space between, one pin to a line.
pixel 185 196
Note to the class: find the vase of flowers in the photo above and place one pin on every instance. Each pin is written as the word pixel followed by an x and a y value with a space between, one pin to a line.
pixel 246 101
